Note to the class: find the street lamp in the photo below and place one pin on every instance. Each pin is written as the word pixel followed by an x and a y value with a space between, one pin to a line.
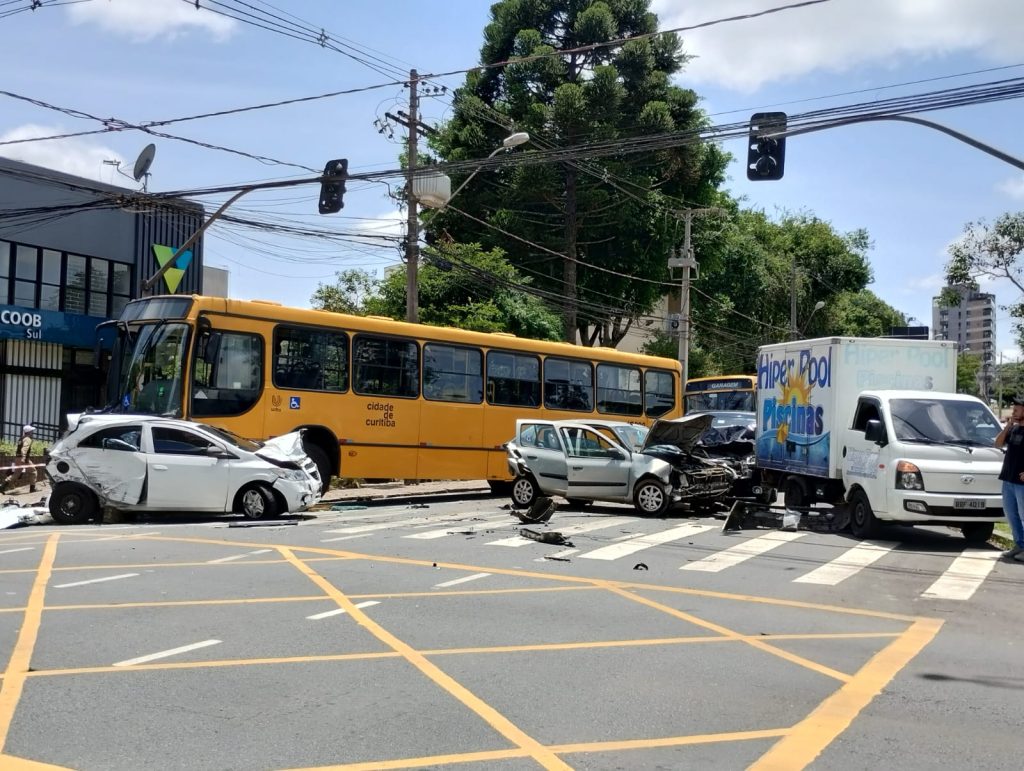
pixel 432 190
pixel 509 142
pixel 817 307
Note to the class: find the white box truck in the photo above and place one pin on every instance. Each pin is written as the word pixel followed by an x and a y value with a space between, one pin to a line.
pixel 876 424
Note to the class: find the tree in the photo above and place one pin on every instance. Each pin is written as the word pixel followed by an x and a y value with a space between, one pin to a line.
pixel 967 367
pixel 743 297
pixel 611 220
pixel 991 251
pixel 348 293
pixel 860 314
pixel 460 285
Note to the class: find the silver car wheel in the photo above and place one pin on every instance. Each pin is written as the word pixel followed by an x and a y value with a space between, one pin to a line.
pixel 523 491
pixel 651 497
pixel 252 503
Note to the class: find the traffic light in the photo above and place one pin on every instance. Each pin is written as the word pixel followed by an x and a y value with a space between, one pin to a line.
pixel 332 186
pixel 766 156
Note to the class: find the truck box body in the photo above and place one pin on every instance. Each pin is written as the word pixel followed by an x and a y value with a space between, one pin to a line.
pixel 807 392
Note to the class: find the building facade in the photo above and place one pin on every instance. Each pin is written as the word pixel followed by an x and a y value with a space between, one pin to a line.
pixel 972 324
pixel 73 252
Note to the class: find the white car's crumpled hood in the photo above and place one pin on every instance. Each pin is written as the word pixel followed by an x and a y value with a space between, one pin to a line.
pixel 284 448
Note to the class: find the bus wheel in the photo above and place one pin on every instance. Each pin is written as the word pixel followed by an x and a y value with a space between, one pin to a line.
pixel 499 487
pixel 862 519
pixel 323 465
pixel 978 532
pixel 257 502
pixel 524 492
pixel 73 504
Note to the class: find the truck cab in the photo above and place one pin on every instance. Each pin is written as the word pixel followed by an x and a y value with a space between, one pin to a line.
pixel 922 457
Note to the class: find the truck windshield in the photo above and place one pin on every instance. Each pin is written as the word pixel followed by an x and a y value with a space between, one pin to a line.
pixel 944 421
pixel 150 371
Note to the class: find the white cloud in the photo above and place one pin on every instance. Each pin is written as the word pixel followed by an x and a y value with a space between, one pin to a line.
pixel 143 20
pixel 72 156
pixel 1013 187
pixel 931 283
pixel 837 36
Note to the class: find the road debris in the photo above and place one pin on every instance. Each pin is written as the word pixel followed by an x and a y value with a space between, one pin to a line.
pixel 348 507
pixel 264 523
pixel 556 559
pixel 640 566
pixel 420 506
pixel 548 536
pixel 750 514
pixel 540 511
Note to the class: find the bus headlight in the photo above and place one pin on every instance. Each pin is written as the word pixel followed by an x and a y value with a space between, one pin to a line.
pixel 908 476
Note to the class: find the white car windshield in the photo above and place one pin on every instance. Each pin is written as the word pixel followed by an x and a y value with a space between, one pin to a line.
pixel 232 439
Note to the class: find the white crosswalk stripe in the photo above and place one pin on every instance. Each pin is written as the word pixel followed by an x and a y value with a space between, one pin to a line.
pixel 586 527
pixel 719 561
pixel 475 527
pixel 633 545
pixel 421 520
pixel 847 564
pixel 962 579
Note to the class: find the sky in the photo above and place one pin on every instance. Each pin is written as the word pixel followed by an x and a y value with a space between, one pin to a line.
pixel 913 189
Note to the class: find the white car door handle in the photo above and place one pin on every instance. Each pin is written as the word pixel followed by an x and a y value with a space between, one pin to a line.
pixel 577 468
pixel 159 467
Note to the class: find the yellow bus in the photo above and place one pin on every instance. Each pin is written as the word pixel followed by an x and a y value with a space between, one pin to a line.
pixel 378 398
pixel 722 393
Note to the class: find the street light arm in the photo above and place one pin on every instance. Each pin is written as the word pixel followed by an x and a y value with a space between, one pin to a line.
pixel 148 283
pixel 466 180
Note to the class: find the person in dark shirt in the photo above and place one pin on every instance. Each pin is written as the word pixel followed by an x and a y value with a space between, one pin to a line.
pixel 1012 475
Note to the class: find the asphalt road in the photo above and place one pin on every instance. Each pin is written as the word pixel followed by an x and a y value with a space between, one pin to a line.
pixel 432 635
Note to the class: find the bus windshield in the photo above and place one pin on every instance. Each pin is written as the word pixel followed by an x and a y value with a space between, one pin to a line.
pixel 148 368
pixel 720 401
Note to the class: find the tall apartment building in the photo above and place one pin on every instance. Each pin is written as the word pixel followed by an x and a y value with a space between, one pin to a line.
pixel 972 324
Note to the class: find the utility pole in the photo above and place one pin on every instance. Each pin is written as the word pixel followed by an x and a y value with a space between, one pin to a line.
pixel 412 242
pixel 686 262
pixel 794 331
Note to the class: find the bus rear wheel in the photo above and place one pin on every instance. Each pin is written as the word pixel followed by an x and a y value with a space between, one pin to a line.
pixel 323 465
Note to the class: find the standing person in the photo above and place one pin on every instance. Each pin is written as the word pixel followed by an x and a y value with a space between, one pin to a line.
pixel 1012 475
pixel 24 470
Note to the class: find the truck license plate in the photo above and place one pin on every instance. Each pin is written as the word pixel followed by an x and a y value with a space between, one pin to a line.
pixel 968 503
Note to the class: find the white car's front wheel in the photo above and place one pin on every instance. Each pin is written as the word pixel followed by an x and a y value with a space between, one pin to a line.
pixel 257 502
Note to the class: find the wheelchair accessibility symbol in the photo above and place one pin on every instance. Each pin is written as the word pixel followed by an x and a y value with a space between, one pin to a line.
pixel 294 402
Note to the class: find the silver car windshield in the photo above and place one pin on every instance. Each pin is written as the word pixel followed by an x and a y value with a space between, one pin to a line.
pixel 944 421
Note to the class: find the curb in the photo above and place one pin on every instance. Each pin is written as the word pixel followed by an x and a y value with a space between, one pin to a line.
pixel 1000 540
pixel 387 495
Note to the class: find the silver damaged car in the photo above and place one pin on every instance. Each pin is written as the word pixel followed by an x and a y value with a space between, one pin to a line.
pixel 579 461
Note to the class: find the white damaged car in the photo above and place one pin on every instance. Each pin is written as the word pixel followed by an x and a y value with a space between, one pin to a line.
pixel 142 463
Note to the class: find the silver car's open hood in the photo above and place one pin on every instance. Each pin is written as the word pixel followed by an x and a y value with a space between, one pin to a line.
pixel 683 433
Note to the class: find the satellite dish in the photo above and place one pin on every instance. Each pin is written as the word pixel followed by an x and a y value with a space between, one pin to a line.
pixel 143 162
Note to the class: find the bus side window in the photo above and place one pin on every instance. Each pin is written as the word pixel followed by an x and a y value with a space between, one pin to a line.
pixel 386 366
pixel 513 379
pixel 659 392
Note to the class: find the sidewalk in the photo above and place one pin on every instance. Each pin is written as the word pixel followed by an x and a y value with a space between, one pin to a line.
pixel 368 492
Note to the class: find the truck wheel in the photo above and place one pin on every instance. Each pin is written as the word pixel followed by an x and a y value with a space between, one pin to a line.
pixel 862 519
pixel 73 504
pixel 978 532
pixel 524 492
pixel 650 498
pixel 794 492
